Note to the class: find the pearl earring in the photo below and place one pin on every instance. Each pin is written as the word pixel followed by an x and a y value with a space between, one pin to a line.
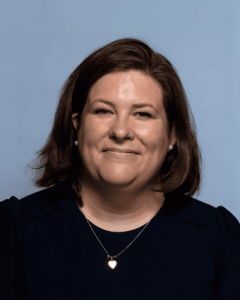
pixel 170 147
pixel 76 143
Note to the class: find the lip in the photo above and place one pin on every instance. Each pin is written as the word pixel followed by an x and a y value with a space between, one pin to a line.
pixel 120 150
pixel 120 156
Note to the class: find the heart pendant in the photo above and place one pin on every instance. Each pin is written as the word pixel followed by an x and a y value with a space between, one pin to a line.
pixel 112 263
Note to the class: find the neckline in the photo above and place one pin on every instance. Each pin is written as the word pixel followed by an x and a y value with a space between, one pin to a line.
pixel 100 229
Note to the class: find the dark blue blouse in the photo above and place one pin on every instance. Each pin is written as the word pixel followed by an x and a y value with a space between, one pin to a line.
pixel 190 250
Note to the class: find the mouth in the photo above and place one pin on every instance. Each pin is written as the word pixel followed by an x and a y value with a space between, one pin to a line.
pixel 126 151
pixel 117 154
pixel 122 152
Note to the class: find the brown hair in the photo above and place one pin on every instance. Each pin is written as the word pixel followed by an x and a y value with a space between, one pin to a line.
pixel 59 160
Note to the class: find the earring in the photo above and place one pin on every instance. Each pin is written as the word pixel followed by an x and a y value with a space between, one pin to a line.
pixel 76 143
pixel 170 147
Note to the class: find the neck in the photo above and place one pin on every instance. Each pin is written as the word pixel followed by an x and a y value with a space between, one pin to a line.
pixel 119 208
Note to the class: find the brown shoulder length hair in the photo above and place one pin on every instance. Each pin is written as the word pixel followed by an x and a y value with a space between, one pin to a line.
pixel 59 161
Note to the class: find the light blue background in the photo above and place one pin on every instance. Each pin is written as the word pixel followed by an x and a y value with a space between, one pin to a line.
pixel 43 41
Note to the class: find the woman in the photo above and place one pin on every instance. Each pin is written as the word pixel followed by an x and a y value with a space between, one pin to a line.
pixel 117 219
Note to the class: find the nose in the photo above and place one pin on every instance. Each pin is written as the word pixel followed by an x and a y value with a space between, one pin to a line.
pixel 120 130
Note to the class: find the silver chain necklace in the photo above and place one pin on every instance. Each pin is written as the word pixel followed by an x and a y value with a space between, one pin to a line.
pixel 111 261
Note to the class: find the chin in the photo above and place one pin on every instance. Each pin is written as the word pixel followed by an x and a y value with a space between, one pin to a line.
pixel 116 180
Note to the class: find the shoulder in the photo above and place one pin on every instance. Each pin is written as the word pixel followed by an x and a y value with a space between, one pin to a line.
pixel 190 209
pixel 212 234
pixel 216 226
pixel 220 216
pixel 13 207
pixel 17 215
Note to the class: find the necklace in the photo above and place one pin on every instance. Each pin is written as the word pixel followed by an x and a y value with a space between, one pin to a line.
pixel 112 262
pixel 112 259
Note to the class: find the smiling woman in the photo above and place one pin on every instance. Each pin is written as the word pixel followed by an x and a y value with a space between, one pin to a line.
pixel 117 219
pixel 122 129
pixel 181 167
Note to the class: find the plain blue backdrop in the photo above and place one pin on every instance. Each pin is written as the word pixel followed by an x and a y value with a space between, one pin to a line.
pixel 43 41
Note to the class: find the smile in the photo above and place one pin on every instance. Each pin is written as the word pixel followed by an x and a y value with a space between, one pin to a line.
pixel 116 154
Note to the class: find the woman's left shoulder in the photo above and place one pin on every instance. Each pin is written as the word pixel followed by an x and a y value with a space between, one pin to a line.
pixel 220 215
pixel 203 214
pixel 224 229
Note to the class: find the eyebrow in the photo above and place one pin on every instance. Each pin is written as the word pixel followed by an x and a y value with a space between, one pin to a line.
pixel 137 105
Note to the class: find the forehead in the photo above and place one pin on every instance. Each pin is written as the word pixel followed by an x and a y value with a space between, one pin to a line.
pixel 128 86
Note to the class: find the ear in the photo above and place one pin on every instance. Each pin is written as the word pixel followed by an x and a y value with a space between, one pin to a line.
pixel 173 136
pixel 74 120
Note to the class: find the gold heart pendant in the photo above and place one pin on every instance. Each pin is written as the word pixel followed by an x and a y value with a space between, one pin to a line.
pixel 112 263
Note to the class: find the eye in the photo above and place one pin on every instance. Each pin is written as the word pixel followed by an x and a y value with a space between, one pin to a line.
pixel 145 114
pixel 102 111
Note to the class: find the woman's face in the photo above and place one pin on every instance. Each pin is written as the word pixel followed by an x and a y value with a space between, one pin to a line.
pixel 113 119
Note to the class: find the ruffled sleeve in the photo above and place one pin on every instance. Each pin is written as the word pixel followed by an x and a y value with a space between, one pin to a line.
pixel 11 230
pixel 227 271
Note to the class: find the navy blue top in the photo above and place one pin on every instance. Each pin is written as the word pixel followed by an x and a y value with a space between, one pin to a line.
pixel 190 250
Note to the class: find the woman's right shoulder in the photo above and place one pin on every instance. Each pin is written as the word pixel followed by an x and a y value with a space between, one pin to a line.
pixel 13 207
pixel 14 210
pixel 10 208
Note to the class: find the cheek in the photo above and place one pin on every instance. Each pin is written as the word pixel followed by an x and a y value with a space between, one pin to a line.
pixel 154 137
pixel 91 132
